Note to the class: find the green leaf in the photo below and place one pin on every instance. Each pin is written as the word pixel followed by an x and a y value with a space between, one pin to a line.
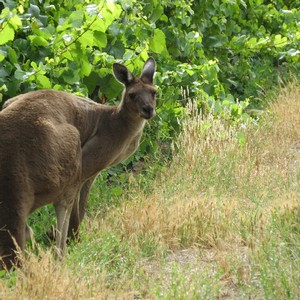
pixel 34 10
pixel 217 41
pixel 252 42
pixel 5 70
pixel 108 17
pixel 128 55
pixel 87 39
pixel 68 55
pixel 22 45
pixel 98 25
pixel 6 34
pixel 38 41
pixel 76 18
pixel 12 87
pixel 86 67
pixel 100 39
pixel 22 75
pixel 280 41
pixel 117 50
pixel 2 54
pixel 158 42
pixel 71 76
pixel 114 8
pixel 91 81
pixel 43 81
pixel 156 13
pixel 12 55
pixel 4 13
pixel 15 22
pixel 19 74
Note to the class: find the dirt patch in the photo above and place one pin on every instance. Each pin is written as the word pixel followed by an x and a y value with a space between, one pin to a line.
pixel 211 263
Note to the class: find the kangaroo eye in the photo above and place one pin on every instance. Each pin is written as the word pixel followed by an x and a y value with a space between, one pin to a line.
pixel 154 93
pixel 132 95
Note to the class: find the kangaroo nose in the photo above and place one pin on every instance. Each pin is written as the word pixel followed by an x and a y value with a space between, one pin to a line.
pixel 147 112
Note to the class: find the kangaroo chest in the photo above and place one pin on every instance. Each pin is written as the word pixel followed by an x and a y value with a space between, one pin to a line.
pixel 127 149
pixel 103 151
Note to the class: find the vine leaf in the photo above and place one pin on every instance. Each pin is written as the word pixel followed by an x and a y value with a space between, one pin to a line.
pixel 6 34
pixel 158 42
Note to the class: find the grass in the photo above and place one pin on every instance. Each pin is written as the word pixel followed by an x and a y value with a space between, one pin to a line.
pixel 221 221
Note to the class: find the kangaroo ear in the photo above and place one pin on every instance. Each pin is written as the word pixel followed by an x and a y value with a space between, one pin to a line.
pixel 122 74
pixel 148 70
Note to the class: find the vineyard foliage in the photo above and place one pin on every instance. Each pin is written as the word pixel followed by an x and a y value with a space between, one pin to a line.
pixel 224 53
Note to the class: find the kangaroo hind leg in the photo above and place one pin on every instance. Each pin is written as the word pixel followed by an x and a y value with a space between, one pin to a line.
pixel 12 238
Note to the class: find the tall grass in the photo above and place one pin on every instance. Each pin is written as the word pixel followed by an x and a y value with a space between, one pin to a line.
pixel 223 180
pixel 229 188
pixel 220 221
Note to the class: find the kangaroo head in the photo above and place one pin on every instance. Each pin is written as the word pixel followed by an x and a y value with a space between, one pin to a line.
pixel 139 95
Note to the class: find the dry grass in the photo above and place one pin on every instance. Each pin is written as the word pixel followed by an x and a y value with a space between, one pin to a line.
pixel 43 277
pixel 221 192
pixel 219 198
pixel 218 186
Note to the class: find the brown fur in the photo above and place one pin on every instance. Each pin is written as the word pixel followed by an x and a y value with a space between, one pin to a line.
pixel 53 145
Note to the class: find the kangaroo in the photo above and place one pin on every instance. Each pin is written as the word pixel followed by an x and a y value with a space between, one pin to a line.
pixel 53 145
